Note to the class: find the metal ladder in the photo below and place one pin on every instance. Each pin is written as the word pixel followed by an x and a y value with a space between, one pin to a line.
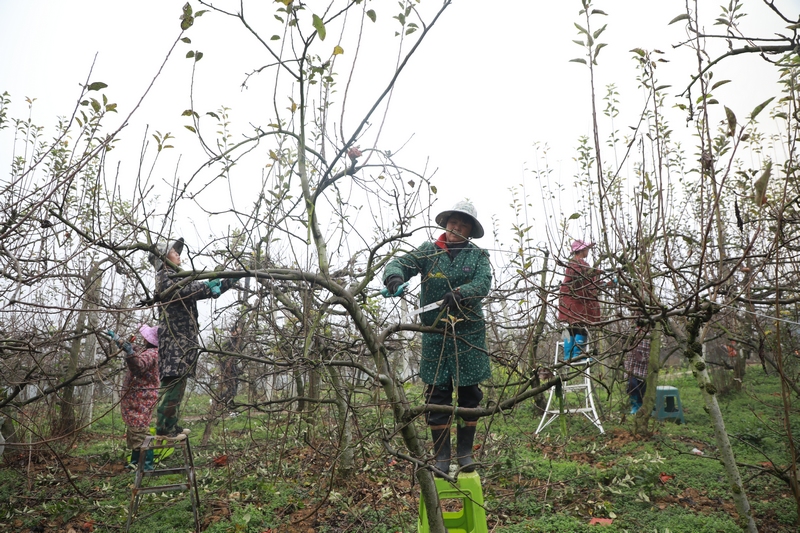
pixel 156 442
pixel 584 388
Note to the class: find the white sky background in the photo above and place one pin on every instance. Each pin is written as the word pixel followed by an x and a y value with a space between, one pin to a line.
pixel 492 79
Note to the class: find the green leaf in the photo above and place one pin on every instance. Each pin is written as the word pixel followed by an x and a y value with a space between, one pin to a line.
pixel 719 83
pixel 573 216
pixel 95 105
pixel 760 107
pixel 338 50
pixel 662 87
pixel 433 189
pixel 186 40
pixel 598 32
pixel 212 114
pixel 578 60
pixel 599 12
pixel 275 38
pixel 598 48
pixel 579 43
pixel 198 56
pixel 371 15
pixel 319 26
pixel 639 52
pixel 191 128
pixel 581 28
pixel 187 113
pixel 684 16
pixel 731 121
pixel 96 86
pixel 190 53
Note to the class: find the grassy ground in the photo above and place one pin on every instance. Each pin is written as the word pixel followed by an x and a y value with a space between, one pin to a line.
pixel 270 473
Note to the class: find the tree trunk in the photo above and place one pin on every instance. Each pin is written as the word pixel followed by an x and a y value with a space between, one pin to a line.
pixel 694 353
pixel 538 331
pixel 67 422
pixel 642 418
pixel 9 431
pixel 346 452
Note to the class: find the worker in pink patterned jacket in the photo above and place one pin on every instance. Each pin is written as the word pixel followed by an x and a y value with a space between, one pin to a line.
pixel 139 390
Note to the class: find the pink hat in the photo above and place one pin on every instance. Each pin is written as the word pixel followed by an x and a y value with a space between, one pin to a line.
pixel 150 334
pixel 577 246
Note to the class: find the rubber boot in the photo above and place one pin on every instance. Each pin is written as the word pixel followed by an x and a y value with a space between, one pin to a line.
pixel 134 460
pixel 149 463
pixel 441 447
pixel 636 404
pixel 569 344
pixel 580 346
pixel 466 439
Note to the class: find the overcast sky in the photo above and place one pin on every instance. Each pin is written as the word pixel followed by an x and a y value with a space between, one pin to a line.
pixel 493 79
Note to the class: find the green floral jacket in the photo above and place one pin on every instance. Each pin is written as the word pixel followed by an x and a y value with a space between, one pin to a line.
pixel 459 352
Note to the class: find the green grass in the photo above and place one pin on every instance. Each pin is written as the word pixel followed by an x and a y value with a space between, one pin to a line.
pixel 550 483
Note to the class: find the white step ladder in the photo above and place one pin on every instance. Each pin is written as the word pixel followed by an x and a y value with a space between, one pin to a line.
pixel 583 389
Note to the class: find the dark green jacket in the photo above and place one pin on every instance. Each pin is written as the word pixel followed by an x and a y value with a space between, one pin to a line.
pixel 463 357
pixel 178 328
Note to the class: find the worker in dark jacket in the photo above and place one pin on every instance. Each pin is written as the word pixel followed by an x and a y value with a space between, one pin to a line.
pixel 457 273
pixel 178 332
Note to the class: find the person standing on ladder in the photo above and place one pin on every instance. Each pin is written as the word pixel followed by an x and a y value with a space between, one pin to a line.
pixel 178 332
pixel 577 303
pixel 139 391
pixel 459 274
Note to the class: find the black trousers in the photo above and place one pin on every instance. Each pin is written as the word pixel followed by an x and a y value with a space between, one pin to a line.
pixel 468 397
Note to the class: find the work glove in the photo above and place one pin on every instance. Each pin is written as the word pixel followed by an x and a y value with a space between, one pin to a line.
pixel 125 345
pixel 215 286
pixel 393 284
pixel 452 301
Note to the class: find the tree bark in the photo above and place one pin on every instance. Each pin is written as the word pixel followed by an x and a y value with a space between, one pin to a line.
pixel 642 419
pixel 694 353
pixel 67 422
pixel 346 452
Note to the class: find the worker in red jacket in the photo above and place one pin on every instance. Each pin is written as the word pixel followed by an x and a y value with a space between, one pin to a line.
pixel 578 305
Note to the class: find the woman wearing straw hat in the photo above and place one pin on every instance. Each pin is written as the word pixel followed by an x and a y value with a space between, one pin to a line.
pixel 457 273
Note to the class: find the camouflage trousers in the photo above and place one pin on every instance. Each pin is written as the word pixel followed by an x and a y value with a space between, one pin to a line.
pixel 135 436
pixel 169 405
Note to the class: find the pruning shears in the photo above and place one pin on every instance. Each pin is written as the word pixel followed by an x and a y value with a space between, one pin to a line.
pixel 400 290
